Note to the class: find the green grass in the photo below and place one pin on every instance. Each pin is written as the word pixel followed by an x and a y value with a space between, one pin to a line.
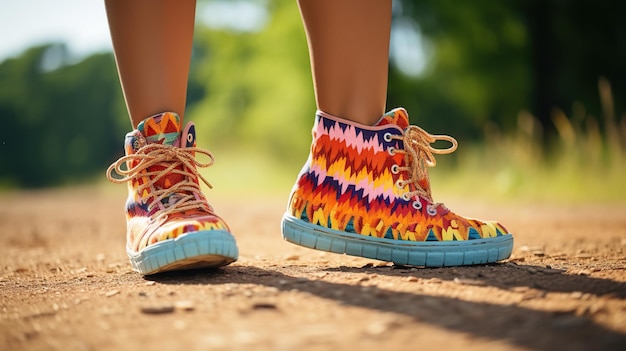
pixel 246 171
pixel 495 174
pixel 586 163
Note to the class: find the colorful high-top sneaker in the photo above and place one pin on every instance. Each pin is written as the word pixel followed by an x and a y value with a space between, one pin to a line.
pixel 365 191
pixel 170 224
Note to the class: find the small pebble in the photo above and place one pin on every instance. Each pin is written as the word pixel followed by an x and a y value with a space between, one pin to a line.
pixel 185 305
pixel 377 328
pixel 576 295
pixel 157 309
pixel 264 306
pixel 111 293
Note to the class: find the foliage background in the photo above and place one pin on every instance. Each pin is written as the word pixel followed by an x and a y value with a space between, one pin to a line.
pixel 534 91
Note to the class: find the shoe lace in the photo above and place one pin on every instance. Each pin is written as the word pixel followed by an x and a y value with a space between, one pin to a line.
pixel 182 196
pixel 419 154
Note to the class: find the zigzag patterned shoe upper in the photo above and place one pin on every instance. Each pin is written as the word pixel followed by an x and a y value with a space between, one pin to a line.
pixel 165 199
pixel 373 181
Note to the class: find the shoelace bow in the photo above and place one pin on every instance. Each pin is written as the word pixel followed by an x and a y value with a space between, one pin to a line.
pixel 182 194
pixel 419 154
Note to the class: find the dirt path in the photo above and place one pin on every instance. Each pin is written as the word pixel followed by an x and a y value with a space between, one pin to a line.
pixel 65 284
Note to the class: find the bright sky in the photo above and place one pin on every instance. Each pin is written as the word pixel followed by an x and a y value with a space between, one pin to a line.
pixel 82 24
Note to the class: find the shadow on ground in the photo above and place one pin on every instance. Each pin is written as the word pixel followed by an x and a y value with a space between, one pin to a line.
pixel 534 329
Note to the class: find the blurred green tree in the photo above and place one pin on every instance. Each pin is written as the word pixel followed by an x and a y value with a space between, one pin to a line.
pixel 60 119
pixel 490 59
pixel 259 90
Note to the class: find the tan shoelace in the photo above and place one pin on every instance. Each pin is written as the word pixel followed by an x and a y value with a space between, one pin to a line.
pixel 419 154
pixel 182 194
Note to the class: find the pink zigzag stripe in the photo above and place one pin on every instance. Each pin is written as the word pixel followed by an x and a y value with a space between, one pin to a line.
pixel 350 137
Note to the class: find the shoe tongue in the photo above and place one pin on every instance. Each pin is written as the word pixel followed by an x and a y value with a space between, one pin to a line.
pixel 397 116
pixel 163 128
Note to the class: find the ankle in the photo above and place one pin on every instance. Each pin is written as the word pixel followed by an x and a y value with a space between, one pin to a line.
pixel 347 120
pixel 355 114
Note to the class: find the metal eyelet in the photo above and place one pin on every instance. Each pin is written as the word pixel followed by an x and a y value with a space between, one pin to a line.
pixel 391 150
pixel 431 210
pixel 417 204
pixel 400 184
pixel 387 137
pixel 395 169
pixel 406 197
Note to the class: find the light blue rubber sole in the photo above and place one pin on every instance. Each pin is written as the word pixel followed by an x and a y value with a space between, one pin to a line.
pixel 201 249
pixel 425 253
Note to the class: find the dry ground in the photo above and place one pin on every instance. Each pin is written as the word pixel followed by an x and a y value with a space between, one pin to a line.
pixel 65 284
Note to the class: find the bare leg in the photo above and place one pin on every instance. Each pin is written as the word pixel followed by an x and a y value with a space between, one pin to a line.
pixel 152 40
pixel 349 50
